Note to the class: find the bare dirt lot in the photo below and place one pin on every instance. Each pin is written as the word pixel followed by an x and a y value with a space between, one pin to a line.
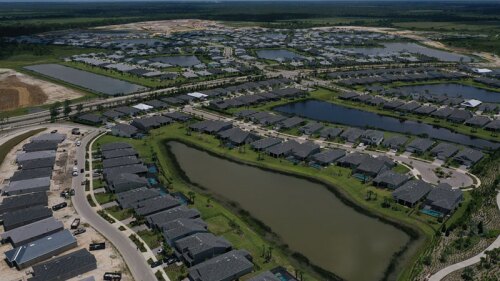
pixel 20 90
pixel 108 260
pixel 165 26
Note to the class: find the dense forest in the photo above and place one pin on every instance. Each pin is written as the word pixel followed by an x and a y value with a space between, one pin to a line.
pixel 29 18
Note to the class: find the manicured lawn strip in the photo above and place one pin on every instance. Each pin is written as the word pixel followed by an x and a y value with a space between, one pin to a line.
pixel 90 200
pixel 400 169
pixel 98 183
pixel 103 198
pixel 119 214
pixel 138 243
pixel 7 146
pixel 153 239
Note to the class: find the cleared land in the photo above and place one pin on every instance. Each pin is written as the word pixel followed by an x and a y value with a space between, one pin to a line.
pixel 18 90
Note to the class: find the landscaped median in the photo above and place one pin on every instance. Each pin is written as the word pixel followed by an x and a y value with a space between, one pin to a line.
pixel 219 214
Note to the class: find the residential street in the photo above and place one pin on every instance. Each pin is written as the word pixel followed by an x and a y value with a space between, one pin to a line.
pixel 137 265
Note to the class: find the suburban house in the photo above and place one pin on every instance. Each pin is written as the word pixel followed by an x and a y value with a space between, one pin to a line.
pixel 351 134
pixel 352 160
pixel 14 203
pixel 290 123
pixel 200 247
pixel 371 167
pixel 444 150
pixel 41 249
pixel 264 143
pixel 147 123
pixel 330 132
pixel 372 137
pixel 25 216
pixel 124 182
pixel 311 128
pixel 64 267
pixel 90 119
pixel 226 267
pixel 410 193
pixel 115 153
pixel 390 179
pixel 443 199
pixel 396 142
pixel 154 205
pixel 328 156
pixel 128 199
pixel 27 186
pixel 159 219
pixel 468 157
pixel 124 130
pixel 419 145
pixel 31 232
pixel 493 126
pixel 183 227
pixel 211 126
pixel 236 136
pixel 178 116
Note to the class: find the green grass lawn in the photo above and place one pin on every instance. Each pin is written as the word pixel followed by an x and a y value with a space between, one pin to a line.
pixel 120 214
pixel 153 239
pixel 103 198
pixel 400 169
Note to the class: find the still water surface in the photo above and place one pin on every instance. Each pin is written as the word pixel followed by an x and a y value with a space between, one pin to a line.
pixel 308 217
pixel 325 111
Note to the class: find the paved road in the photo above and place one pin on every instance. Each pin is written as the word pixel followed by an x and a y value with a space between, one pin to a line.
pixel 138 266
pixel 44 116
pixel 475 259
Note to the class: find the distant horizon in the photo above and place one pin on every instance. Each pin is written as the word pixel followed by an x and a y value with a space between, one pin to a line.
pixel 219 1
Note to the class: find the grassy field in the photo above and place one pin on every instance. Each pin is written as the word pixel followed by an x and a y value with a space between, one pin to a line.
pixel 7 146
pixel 219 214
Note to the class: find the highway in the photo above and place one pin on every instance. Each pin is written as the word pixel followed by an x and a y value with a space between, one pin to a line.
pixel 139 268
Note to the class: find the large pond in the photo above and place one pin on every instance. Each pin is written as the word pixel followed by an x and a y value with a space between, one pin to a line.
pixel 278 55
pixel 325 111
pixel 390 48
pixel 455 90
pixel 94 82
pixel 183 61
pixel 308 217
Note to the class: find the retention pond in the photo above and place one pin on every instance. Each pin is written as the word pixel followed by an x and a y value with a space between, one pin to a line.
pixel 330 112
pixel 308 216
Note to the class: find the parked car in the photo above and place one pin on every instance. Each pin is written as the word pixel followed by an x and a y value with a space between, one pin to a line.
pixel 53 131
pixel 80 231
pixel 97 246
pixel 59 206
pixel 75 224
pixel 78 143
pixel 156 263
pixel 75 173
pixel 75 131
pixel 170 260
pixel 112 276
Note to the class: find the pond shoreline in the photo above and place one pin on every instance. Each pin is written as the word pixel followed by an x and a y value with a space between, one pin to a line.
pixel 415 234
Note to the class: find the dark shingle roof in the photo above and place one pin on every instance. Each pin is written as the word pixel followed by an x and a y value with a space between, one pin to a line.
pixel 412 191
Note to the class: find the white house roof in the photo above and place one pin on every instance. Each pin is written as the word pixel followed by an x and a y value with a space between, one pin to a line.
pixel 142 106
pixel 197 95
pixel 471 103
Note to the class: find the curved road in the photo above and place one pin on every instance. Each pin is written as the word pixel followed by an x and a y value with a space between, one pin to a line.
pixel 134 259
pixel 475 259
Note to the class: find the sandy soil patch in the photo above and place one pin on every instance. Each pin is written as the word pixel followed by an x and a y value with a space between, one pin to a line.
pixel 108 260
pixel 19 90
pixel 165 26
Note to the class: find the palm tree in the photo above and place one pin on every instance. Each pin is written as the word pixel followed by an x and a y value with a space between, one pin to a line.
pixel 192 196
